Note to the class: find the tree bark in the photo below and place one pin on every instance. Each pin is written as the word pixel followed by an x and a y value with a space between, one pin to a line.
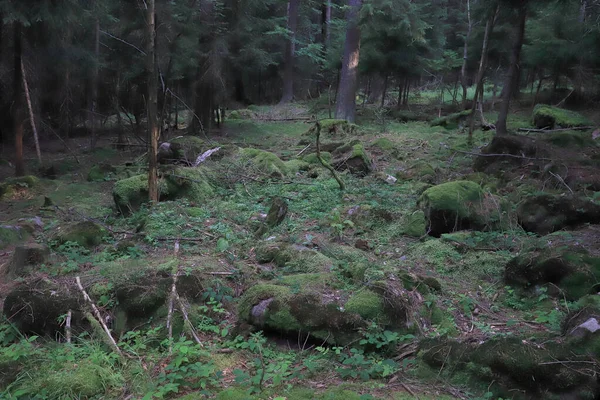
pixel 152 77
pixel 509 81
pixel 463 70
pixel 489 28
pixel 346 97
pixel 94 104
pixel 18 118
pixel 290 52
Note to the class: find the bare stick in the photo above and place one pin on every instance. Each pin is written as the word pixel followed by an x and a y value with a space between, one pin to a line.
pixel 31 118
pixel 68 326
pixel 187 319
pixel 575 128
pixel 323 162
pixel 561 180
pixel 172 302
pixel 98 316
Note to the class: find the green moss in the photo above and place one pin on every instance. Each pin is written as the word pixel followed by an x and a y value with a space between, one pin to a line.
pixel 452 196
pixel 241 114
pixel 312 158
pixel 187 147
pixel 294 258
pixel 452 120
pixel 197 212
pixel 358 150
pixel 12 234
pixel 294 166
pixel 191 183
pixel 265 161
pixel 385 144
pixel 337 127
pixel 415 224
pixel 86 234
pixel 421 170
pixel 367 304
pixel 257 293
pixel 437 254
pixel 545 116
pixel 10 185
pixel 130 193
pixel 101 172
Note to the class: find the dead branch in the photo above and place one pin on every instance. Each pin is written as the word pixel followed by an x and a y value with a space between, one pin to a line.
pixel 31 117
pixel 98 316
pixel 576 128
pixel 187 318
pixel 504 155
pixel 68 326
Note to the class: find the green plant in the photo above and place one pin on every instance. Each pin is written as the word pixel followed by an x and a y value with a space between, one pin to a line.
pixel 382 340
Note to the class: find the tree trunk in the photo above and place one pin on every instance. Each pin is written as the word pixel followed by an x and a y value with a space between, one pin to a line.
pixel 325 22
pixel 489 28
pixel 509 81
pixel 290 51
pixel 346 98
pixel 582 11
pixel 152 76
pixel 94 105
pixel 17 106
pixel 385 86
pixel 463 70
pixel 117 102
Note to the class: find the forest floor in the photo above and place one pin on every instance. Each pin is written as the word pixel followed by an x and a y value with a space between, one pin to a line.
pixel 363 235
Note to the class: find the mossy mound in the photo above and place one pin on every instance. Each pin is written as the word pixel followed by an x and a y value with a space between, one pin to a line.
pixel 386 146
pixel 366 303
pixel 295 166
pixel 545 213
pixel 337 128
pixel 24 258
pixel 545 116
pixel 313 160
pixel 13 185
pixel 187 148
pixel 86 234
pixel 130 193
pixel 35 307
pixel 456 206
pixel 575 274
pixel 517 368
pixel 241 114
pixel 420 171
pixel 294 258
pixel 415 224
pixel 493 162
pixel 452 121
pixel 10 234
pixel 355 159
pixel 265 162
pixel 101 172
pixel 292 309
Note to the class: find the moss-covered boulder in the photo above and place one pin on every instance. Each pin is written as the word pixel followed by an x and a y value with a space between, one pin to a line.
pixel 309 306
pixel 355 159
pixel 241 114
pixel 187 148
pixel 294 258
pixel 420 171
pixel 514 367
pixel 545 213
pixel 415 224
pixel 12 186
pixel 25 258
pixel 101 172
pixel 545 116
pixel 575 274
pixel 453 206
pixel 313 160
pixel 387 146
pixel 264 162
pixel 182 182
pixel 86 234
pixel 452 121
pixel 36 307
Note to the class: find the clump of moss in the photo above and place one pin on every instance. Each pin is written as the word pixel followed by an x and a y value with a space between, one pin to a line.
pixel 265 162
pixel 546 116
pixel 187 147
pixel 356 160
pixel 452 206
pixel 451 121
pixel 101 172
pixel 421 171
pixel 130 193
pixel 11 185
pixel 312 158
pixel 85 234
pixel 241 114
pixel 11 234
pixel 366 303
pixel 295 166
pixel 294 258
pixel 415 224
pixel 337 127
pixel 190 183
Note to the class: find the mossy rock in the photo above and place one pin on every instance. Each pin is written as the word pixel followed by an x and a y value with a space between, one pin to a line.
pixel 452 206
pixel 545 116
pixel 187 182
pixel 12 185
pixel 130 193
pixel 265 162
pixel 10 234
pixel 452 121
pixel 313 160
pixel 576 274
pixel 36 307
pixel 25 258
pixel 241 114
pixel 420 171
pixel 187 148
pixel 386 146
pixel 415 224
pixel 86 234
pixel 281 309
pixel 101 172
pixel 141 300
pixel 545 213
pixel 366 303
pixel 337 128
pixel 295 166
pixel 294 258
pixel 356 160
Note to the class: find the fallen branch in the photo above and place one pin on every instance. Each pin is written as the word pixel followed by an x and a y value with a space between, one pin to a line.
pixel 98 316
pixel 31 117
pixel 202 157
pixel 303 150
pixel 68 326
pixel 577 128
pixel 187 319
pixel 504 155
pixel 561 180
